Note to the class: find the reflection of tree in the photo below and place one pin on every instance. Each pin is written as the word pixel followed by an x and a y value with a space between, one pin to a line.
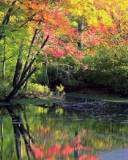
pixel 53 140
pixel 68 148
pixel 21 131
pixel 1 135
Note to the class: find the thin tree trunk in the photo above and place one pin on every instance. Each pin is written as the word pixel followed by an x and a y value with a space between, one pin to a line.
pixel 81 28
pixel 16 123
pixel 20 131
pixel 4 61
pixel 15 90
pixel 18 68
pixel 26 72
pixel 6 19
pixel 1 134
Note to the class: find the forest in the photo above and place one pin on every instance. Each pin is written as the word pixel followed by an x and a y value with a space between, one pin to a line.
pixel 52 49
pixel 54 43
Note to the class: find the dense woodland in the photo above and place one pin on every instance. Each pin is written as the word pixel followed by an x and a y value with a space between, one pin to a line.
pixel 78 44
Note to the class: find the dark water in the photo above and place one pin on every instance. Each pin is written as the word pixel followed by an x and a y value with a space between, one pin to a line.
pixel 34 133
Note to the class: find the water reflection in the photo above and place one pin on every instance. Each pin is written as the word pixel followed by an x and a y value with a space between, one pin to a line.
pixel 34 134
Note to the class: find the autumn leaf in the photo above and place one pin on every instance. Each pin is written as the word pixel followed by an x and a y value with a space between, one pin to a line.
pixel 67 150
pixel 38 152
pixel 54 150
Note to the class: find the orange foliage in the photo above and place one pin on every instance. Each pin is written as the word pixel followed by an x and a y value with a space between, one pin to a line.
pixel 63 37
pixel 101 34
pixel 55 23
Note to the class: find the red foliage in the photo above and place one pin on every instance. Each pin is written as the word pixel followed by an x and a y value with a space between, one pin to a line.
pixel 54 21
pixel 102 28
pixel 96 35
pixel 57 53
pixel 54 150
pixel 90 38
pixel 78 146
pixel 50 158
pixel 67 150
pixel 63 150
pixel 38 152
pixel 56 24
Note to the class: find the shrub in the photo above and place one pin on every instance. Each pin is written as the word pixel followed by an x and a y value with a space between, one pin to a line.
pixel 34 88
pixel 109 68
pixel 4 88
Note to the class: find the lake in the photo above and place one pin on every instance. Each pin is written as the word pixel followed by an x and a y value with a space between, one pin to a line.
pixel 33 132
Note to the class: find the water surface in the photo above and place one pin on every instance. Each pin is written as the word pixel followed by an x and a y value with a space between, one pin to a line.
pixel 60 135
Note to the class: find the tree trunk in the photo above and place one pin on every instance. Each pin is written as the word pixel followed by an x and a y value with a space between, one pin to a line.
pixel 18 68
pixel 4 60
pixel 81 28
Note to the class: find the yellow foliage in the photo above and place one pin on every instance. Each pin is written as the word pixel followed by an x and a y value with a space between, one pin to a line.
pixel 60 88
pixel 37 88
pixel 1 15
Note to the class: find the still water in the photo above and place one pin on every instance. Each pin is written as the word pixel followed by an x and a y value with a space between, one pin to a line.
pixel 33 133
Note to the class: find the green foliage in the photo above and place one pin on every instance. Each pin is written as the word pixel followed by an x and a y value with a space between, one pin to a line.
pixel 58 72
pixel 109 68
pixel 4 88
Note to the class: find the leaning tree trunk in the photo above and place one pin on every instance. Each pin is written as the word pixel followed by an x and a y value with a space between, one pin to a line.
pixel 18 68
pixel 21 76
pixel 25 75
pixel 20 132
